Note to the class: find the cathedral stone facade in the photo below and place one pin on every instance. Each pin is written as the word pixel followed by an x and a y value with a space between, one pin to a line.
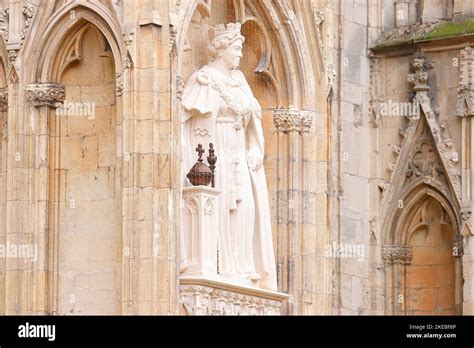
pixel 365 109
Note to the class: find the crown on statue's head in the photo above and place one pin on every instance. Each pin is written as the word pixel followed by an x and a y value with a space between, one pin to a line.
pixel 221 29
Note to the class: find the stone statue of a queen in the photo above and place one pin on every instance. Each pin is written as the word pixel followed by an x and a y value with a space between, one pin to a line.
pixel 219 108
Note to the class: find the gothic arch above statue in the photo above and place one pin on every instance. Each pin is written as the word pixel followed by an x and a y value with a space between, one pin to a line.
pixel 220 108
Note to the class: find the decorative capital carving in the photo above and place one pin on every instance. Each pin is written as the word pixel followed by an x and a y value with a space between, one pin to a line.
pixel 45 94
pixel 419 78
pixel 397 254
pixel 3 99
pixel 288 120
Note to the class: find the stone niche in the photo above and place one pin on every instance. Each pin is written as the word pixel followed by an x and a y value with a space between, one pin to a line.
pixel 205 287
pixel 88 202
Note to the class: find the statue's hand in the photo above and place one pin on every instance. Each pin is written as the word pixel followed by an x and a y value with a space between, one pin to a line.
pixel 254 159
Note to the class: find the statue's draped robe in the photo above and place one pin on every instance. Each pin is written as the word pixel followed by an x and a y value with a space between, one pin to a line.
pixel 222 110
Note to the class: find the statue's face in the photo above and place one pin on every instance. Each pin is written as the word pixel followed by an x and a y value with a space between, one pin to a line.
pixel 232 55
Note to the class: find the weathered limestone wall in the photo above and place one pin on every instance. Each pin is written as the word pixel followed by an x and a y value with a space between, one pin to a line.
pixel 352 160
pixel 150 144
pixel 395 147
pixel 100 197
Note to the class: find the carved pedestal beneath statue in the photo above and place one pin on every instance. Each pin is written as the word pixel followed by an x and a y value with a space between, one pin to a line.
pixel 203 291
pixel 199 237
pixel 212 297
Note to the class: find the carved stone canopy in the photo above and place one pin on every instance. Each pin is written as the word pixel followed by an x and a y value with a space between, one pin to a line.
pixel 45 94
pixel 288 120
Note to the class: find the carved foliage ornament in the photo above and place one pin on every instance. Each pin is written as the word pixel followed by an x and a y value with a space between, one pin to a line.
pixel 28 11
pixel 397 254
pixel 419 77
pixel 45 94
pixel 3 99
pixel 4 24
pixel 288 120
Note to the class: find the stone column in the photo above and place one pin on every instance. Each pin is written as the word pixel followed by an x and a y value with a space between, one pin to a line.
pixel 396 257
pixel 292 125
pixel 465 110
pixel 3 188
pixel 27 277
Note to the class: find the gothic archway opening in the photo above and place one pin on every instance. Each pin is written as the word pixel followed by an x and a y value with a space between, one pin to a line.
pixel 85 180
pixel 423 260
pixel 431 274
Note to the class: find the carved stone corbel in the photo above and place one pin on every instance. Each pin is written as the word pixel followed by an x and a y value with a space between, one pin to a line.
pixel 45 94
pixel 397 254
pixel 289 120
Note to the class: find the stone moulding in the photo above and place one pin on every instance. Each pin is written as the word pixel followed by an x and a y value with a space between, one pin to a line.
pixel 289 120
pixel 397 254
pixel 199 296
pixel 45 94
